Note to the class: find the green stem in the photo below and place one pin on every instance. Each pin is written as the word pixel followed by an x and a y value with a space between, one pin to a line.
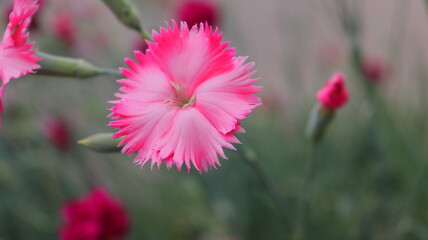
pixel 112 72
pixel 410 202
pixel 270 185
pixel 353 30
pixel 299 228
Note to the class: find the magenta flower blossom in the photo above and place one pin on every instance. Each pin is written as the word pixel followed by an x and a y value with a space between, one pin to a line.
pixel 181 102
pixel 57 131
pixel 374 69
pixel 16 57
pixel 95 217
pixel 334 95
pixel 195 12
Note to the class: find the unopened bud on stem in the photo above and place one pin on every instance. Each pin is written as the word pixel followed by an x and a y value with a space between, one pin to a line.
pixel 67 67
pixel 101 142
pixel 330 98
pixel 127 14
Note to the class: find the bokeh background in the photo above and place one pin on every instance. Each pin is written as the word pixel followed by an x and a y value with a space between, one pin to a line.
pixel 370 172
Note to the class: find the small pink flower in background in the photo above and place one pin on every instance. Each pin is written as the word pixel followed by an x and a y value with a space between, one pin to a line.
pixel 16 57
pixel 181 102
pixel 97 216
pixel 57 131
pixel 195 12
pixel 64 28
pixel 374 69
pixel 334 95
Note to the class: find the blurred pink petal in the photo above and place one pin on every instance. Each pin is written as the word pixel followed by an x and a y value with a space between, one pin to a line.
pixel 181 102
pixel 195 12
pixel 34 25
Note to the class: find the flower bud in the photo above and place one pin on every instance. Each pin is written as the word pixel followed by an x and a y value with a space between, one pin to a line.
pixel 334 95
pixel 125 12
pixel 102 142
pixel 66 67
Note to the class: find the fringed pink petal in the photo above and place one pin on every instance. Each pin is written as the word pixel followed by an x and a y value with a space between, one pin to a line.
pixel 192 140
pixel 192 56
pixel 228 97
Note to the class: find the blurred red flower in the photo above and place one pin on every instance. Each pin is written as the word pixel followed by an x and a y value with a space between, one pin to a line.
pixel 94 217
pixel 194 12
pixel 57 131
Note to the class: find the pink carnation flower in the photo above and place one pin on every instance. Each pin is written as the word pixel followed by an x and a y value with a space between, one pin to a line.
pixel 334 95
pixel 181 102
pixel 16 57
pixel 95 217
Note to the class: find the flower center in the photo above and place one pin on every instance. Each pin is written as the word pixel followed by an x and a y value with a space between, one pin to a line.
pixel 181 99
